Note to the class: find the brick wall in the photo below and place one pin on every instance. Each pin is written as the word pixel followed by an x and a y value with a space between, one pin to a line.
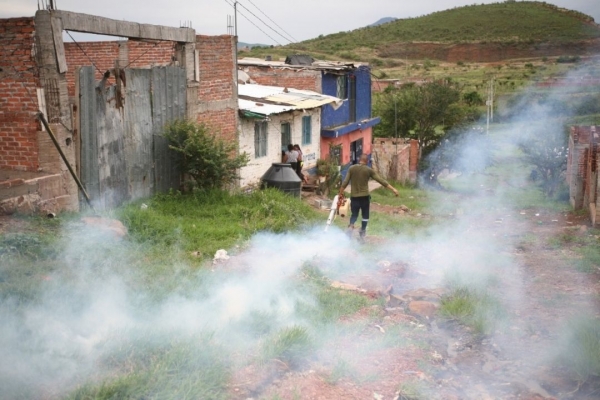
pixel 103 55
pixel 396 160
pixel 223 122
pixel 582 170
pixel 145 54
pixel 18 98
pixel 290 78
pixel 577 168
pixel 413 163
pixel 217 92
pixel 217 69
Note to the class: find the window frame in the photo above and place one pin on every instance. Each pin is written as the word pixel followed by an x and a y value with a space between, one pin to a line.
pixel 288 134
pixel 261 130
pixel 341 87
pixel 306 130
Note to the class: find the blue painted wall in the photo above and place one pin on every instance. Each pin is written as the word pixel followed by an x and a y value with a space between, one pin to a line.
pixel 341 116
pixel 363 93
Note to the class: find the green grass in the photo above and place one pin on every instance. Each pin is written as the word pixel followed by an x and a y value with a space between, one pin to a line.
pixel 413 390
pixel 580 348
pixel 589 259
pixel 412 197
pixel 473 308
pixel 190 369
pixel 471 300
pixel 292 345
pixel 330 303
pixel 208 221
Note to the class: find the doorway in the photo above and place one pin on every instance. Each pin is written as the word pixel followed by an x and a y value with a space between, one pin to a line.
pixel 356 150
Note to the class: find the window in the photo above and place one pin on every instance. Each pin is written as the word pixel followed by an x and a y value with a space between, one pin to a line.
pixel 286 135
pixel 335 153
pixel 306 130
pixel 260 139
pixel 342 87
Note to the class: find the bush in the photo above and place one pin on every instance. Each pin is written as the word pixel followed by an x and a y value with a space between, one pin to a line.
pixel 568 59
pixel 209 160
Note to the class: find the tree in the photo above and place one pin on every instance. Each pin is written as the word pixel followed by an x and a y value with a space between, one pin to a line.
pixel 422 112
pixel 473 98
pixel 211 161
pixel 546 149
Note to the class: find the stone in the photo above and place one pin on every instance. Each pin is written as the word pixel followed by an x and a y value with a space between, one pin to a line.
pixel 111 226
pixel 347 286
pixel 423 308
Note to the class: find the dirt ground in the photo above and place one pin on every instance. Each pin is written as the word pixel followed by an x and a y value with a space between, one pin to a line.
pixel 435 358
pixel 444 359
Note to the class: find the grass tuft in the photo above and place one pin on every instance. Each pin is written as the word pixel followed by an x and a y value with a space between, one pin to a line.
pixel 580 350
pixel 473 308
pixel 291 345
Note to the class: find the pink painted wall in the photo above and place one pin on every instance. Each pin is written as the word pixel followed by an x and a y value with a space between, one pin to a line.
pixel 345 140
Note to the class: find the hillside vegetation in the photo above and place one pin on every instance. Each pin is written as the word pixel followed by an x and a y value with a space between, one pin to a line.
pixel 499 22
pixel 510 23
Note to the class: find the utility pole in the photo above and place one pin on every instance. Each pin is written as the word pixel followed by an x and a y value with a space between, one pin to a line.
pixel 490 105
pixel 235 20
pixel 236 47
pixel 493 87
pixel 396 122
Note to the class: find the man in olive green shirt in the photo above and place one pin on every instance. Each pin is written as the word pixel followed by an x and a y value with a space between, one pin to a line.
pixel 358 175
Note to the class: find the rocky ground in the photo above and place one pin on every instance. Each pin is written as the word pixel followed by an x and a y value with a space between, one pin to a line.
pixel 422 355
pixel 402 348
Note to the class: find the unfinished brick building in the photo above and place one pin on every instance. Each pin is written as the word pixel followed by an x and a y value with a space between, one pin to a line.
pixel 396 159
pixel 106 102
pixel 582 170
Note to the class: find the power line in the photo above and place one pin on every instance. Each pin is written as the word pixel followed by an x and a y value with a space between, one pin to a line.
pixel 269 18
pixel 81 48
pixel 257 27
pixel 267 25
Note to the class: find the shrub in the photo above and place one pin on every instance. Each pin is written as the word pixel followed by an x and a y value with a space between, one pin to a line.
pixel 209 160
pixel 568 59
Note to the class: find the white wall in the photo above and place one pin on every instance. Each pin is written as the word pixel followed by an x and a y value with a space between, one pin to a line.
pixel 255 169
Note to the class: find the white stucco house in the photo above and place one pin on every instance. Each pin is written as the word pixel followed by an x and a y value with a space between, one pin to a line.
pixel 271 118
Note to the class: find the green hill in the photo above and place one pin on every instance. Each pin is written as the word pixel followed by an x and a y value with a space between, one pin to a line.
pixel 510 22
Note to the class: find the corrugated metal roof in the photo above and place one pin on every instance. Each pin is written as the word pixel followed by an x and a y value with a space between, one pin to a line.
pixel 267 100
pixel 317 65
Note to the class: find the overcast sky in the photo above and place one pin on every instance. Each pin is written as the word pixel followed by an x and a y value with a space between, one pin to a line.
pixel 300 19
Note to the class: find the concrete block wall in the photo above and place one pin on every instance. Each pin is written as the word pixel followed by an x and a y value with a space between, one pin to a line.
pixel 18 97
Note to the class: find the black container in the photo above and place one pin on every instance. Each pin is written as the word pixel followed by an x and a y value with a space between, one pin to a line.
pixel 281 176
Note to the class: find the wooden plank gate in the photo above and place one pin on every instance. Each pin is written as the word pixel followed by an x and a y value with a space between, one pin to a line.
pixel 123 156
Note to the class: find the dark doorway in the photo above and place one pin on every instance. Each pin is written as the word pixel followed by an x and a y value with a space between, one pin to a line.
pixel 356 150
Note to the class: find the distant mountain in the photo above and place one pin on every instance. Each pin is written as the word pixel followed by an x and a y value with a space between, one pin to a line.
pixel 384 20
pixel 242 45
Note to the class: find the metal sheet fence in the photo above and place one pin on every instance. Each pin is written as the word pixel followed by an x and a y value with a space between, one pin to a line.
pixel 123 155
